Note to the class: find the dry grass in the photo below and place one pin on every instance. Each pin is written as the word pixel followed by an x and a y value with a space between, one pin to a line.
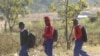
pixel 62 51
pixel 9 44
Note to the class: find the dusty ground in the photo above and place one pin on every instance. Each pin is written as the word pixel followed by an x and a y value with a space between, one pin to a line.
pixel 62 51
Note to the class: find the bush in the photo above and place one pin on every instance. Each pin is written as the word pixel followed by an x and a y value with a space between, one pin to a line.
pixel 92 30
pixel 9 43
pixel 93 19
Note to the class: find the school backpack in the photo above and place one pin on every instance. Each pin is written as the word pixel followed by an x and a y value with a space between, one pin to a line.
pixel 31 40
pixel 55 35
pixel 84 34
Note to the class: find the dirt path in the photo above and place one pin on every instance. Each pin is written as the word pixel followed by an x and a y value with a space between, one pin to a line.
pixel 91 50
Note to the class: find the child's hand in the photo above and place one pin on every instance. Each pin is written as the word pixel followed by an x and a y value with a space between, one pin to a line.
pixel 73 39
pixel 43 43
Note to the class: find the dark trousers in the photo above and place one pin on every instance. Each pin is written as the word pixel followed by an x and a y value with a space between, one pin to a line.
pixel 48 45
pixel 24 51
pixel 78 48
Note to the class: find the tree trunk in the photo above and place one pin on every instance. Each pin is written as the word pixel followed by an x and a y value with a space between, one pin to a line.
pixel 66 28
pixel 11 25
pixel 5 26
pixel 11 28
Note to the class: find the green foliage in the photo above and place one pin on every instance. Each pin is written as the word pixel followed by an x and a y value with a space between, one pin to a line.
pixel 13 8
pixel 98 15
pixel 73 9
pixel 53 7
pixel 83 4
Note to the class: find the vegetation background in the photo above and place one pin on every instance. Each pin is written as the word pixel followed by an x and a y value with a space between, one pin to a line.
pixel 9 36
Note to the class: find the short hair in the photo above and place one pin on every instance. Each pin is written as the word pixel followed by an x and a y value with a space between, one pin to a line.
pixel 75 21
pixel 21 23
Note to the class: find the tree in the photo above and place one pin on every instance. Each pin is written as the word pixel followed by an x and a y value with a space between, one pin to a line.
pixel 12 9
pixel 69 11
